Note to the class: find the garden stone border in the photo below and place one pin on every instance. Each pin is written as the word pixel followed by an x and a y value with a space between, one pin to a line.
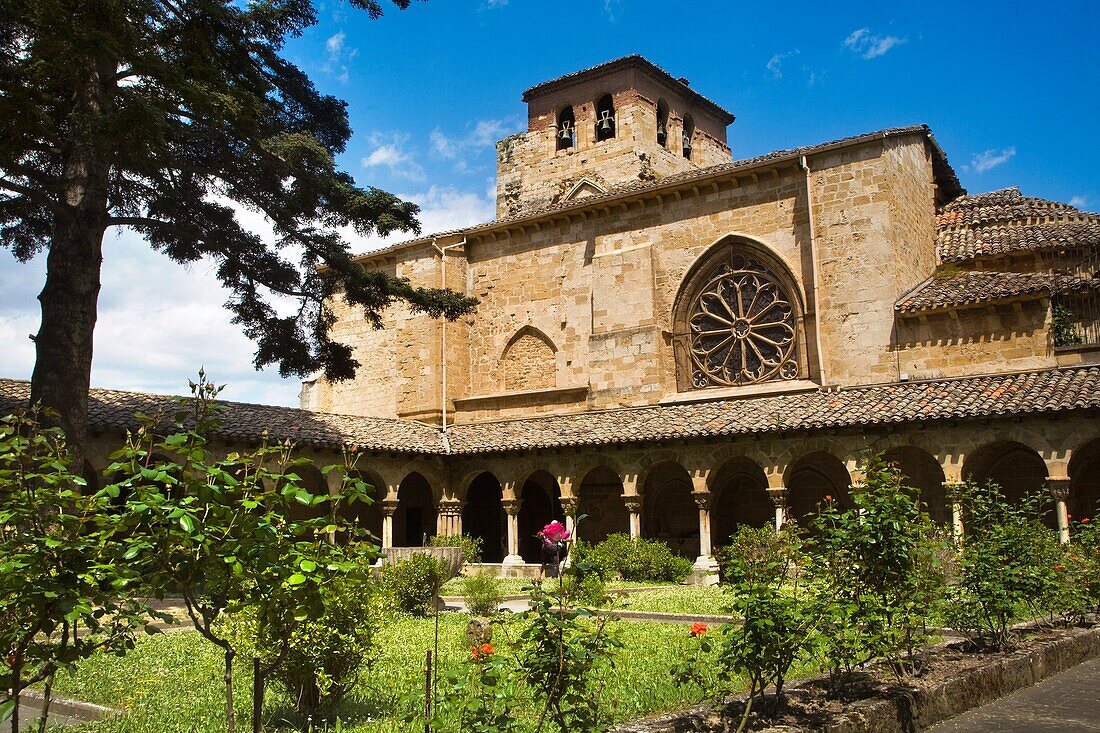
pixel 906 710
pixel 66 707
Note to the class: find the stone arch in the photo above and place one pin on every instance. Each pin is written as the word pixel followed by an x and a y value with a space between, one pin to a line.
pixel 669 510
pixel 540 504
pixel 599 495
pixel 687 143
pixel 738 318
pixel 922 471
pixel 1084 474
pixel 529 361
pixel 1016 468
pixel 415 517
pixel 605 118
pixel 739 496
pixel 662 123
pixel 811 479
pixel 483 516
pixel 566 132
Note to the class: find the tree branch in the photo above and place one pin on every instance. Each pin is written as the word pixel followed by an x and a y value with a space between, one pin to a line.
pixel 37 196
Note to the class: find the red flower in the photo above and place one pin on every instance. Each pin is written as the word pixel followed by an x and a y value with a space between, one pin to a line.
pixel 698 628
pixel 1059 567
pixel 1085 520
pixel 486 649
pixel 828 497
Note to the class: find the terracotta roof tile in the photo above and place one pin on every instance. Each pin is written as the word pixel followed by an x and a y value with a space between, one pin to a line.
pixel 1006 221
pixel 110 409
pixel 970 397
pixel 977 288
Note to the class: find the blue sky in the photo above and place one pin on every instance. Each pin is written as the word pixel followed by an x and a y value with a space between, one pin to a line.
pixel 1009 89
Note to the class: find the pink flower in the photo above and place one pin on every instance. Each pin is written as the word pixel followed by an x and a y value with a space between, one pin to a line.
pixel 554 532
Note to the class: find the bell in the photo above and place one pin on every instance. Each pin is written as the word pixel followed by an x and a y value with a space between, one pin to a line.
pixel 606 123
pixel 566 132
pixel 662 134
pixel 687 144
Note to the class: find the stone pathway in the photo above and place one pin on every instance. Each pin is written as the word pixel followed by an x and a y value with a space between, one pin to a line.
pixel 1065 703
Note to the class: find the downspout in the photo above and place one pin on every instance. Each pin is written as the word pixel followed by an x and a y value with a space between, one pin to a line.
pixel 443 329
pixel 804 164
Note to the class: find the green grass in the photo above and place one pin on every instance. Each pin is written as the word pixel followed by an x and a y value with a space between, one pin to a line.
pixel 682 599
pixel 173 682
pixel 516 586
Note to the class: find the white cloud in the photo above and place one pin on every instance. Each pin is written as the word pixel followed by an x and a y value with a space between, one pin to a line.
pixel 158 323
pixel 335 46
pixel 480 135
pixel 989 159
pixel 870 46
pixel 497 3
pixel 1079 201
pixel 389 151
pixel 442 208
pixel 775 63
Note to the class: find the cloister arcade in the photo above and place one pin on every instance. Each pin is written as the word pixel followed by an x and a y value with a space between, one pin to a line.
pixel 694 495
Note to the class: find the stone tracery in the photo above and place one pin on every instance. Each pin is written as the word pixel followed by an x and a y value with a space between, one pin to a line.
pixel 742 326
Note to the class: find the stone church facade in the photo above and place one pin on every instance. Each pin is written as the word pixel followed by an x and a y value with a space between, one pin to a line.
pixel 674 342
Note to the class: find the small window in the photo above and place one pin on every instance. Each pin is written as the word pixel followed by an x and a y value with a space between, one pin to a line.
pixel 662 123
pixel 689 134
pixel 605 118
pixel 567 129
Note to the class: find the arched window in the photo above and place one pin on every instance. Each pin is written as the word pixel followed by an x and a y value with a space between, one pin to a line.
pixel 738 321
pixel 567 129
pixel 662 122
pixel 605 118
pixel 689 134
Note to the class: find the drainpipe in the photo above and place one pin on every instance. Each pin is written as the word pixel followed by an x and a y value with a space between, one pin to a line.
pixel 443 330
pixel 804 164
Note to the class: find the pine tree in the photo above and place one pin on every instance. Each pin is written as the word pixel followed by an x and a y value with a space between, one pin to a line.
pixel 165 116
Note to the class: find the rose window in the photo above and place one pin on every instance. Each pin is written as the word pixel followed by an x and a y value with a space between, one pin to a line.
pixel 742 328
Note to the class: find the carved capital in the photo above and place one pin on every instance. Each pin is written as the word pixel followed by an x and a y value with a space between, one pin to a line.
pixel 569 505
pixel 1059 488
pixel 389 506
pixel 633 503
pixel 779 496
pixel 512 506
pixel 451 507
pixel 702 499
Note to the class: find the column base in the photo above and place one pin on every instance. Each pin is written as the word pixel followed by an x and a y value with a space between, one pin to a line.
pixel 509 566
pixel 705 571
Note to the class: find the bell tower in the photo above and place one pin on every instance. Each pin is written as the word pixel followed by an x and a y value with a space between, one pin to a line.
pixel 622 122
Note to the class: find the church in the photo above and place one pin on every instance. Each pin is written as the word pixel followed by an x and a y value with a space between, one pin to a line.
pixel 671 342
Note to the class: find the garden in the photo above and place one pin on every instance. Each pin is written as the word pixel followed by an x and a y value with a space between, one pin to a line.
pixel 288 624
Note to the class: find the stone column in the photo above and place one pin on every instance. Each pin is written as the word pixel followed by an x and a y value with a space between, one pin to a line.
pixel 511 508
pixel 633 504
pixel 1059 489
pixel 953 491
pixel 450 516
pixel 706 567
pixel 569 506
pixel 389 507
pixel 780 496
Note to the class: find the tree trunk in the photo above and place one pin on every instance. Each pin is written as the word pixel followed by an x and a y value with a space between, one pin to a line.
pixel 16 688
pixel 230 717
pixel 257 695
pixel 63 363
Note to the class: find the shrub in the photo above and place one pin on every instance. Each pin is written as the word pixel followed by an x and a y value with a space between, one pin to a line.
pixel 1007 565
pixel 584 589
pixel 482 594
pixel 874 574
pixel 633 559
pixel 326 654
pixel 414 583
pixel 761 567
pixel 471 546
pixel 1083 568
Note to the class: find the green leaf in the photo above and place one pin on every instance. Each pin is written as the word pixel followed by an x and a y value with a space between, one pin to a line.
pixel 7 707
pixel 187 524
pixel 296 579
pixel 308 566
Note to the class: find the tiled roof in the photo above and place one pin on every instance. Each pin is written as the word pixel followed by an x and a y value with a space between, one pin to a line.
pixel 1006 221
pixel 110 409
pixel 945 176
pixel 622 63
pixel 976 288
pixel 970 397
pixel 906 402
